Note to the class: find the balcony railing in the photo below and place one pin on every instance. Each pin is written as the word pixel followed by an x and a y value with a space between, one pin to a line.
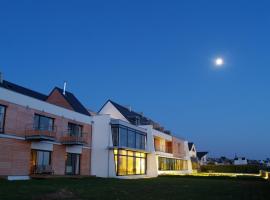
pixel 33 132
pixel 42 169
pixel 73 139
pixel 164 149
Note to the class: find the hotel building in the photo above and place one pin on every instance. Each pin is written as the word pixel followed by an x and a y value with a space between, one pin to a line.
pixel 128 145
pixel 42 134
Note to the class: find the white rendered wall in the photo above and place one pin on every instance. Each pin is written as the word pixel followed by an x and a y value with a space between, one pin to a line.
pixel 100 157
pixel 109 109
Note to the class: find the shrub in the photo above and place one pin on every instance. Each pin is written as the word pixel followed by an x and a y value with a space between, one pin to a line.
pixel 249 169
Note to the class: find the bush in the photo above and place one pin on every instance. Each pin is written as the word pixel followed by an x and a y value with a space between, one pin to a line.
pixel 247 169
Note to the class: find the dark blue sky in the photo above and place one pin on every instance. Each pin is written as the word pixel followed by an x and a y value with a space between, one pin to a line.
pixel 155 56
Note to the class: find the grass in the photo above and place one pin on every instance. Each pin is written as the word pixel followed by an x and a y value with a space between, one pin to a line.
pixel 161 188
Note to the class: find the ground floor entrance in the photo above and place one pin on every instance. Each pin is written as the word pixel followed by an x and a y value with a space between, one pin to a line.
pixel 73 164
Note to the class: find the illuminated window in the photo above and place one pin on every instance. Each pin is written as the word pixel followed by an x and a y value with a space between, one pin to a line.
pixel 170 164
pixel 129 163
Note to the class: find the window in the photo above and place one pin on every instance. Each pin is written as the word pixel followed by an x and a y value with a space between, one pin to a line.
pixel 41 161
pixel 74 129
pixel 170 164
pixel 43 123
pixel 131 139
pixel 73 164
pixel 129 163
pixel 115 136
pixel 2 118
pixel 127 137
pixel 123 137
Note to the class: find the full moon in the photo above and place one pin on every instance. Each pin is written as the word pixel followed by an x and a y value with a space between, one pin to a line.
pixel 219 62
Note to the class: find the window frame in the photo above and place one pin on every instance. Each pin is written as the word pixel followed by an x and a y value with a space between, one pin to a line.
pixel 74 124
pixel 43 151
pixel 127 129
pixel 2 129
pixel 172 164
pixel 39 116
pixel 127 156
pixel 72 154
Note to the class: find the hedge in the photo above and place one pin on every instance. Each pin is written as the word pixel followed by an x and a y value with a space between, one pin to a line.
pixel 249 169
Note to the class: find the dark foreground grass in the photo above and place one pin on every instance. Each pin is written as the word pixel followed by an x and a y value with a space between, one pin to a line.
pixel 161 188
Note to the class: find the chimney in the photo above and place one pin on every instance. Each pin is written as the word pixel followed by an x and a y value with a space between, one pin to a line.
pixel 65 87
pixel 1 78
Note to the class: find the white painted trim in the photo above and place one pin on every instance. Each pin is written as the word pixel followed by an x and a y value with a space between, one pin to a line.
pixel 11 136
pixel 26 101
pixel 129 125
pixel 18 178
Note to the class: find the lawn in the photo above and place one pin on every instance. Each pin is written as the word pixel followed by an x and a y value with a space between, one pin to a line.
pixel 161 188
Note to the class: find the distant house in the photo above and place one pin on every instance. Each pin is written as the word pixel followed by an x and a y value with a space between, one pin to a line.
pixel 240 161
pixel 202 157
pixel 192 150
pixel 193 157
pixel 267 163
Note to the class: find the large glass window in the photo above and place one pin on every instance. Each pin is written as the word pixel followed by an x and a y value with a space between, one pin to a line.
pixel 129 163
pixel 74 129
pixel 126 137
pixel 2 118
pixel 73 164
pixel 41 161
pixel 123 137
pixel 115 136
pixel 171 164
pixel 131 138
pixel 43 123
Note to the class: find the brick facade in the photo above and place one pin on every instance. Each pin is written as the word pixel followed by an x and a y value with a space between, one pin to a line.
pixel 15 156
pixel 85 162
pixel 57 99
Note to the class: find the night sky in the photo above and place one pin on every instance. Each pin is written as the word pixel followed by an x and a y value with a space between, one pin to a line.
pixel 158 57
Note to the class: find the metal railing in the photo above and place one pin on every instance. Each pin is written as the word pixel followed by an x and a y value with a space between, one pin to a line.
pixel 70 138
pixel 163 148
pixel 32 130
pixel 42 169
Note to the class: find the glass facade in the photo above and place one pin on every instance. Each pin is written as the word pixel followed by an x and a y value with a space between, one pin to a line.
pixel 126 137
pixel 129 163
pixel 43 123
pixel 2 118
pixel 171 164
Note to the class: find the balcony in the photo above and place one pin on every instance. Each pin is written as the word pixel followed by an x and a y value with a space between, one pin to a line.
pixel 34 133
pixel 164 149
pixel 73 139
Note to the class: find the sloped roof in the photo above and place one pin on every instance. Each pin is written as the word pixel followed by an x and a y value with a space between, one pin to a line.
pixel 201 154
pixel 22 90
pixel 190 145
pixel 73 102
pixel 70 98
pixel 133 117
